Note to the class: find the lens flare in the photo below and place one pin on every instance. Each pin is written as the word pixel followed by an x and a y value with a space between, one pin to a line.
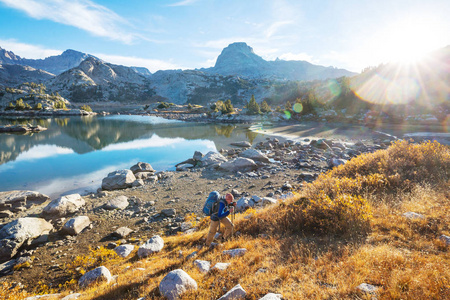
pixel 287 114
pixel 297 107
pixel 334 87
pixel 402 90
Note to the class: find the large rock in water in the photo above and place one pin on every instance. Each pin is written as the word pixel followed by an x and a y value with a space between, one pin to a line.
pixel 19 232
pixel 120 179
pixel 240 164
pixel 212 158
pixel 175 283
pixel 254 155
pixel 20 200
pixel 65 205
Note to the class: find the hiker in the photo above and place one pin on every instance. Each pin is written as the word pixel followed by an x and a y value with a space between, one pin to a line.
pixel 225 207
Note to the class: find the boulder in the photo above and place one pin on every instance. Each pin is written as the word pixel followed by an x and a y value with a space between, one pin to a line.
pixel 367 288
pixel 175 283
pixel 120 202
pixel 137 183
pixel 76 225
pixel 124 250
pixel 169 212
pixel 244 204
pixel 20 200
pixel 120 179
pixel 197 155
pixel 212 159
pixel 268 201
pixel 122 232
pixel 334 162
pixel 272 296
pixel 242 144
pixel 19 232
pixel 220 266
pixel 445 238
pixel 240 164
pixel 235 252
pixel 7 267
pixel 235 293
pixel 142 167
pixel 202 265
pixel 143 175
pixel 413 215
pixel 98 274
pixel 155 244
pixel 254 155
pixel 64 205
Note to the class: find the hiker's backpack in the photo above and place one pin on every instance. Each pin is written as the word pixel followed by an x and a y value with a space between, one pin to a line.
pixel 212 203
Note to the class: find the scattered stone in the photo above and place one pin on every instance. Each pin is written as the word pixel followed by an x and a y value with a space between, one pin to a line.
pixel 120 179
pixel 236 292
pixel 120 202
pixel 175 283
pixel 197 155
pixel 243 144
pixel 413 215
pixel 76 225
pixel 122 232
pixel 20 200
pixel 143 175
pixel 202 265
pixel 169 212
pixel 138 183
pixel 220 266
pixel 142 167
pixel 22 231
pixel 65 205
pixel 124 250
pixel 155 244
pixel 272 296
pixel 286 187
pixel 367 288
pixel 43 297
pixel 239 164
pixel 268 201
pixel 192 255
pixel 98 274
pixel 445 238
pixel 235 252
pixel 254 155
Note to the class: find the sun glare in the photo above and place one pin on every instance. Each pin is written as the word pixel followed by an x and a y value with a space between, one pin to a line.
pixel 409 40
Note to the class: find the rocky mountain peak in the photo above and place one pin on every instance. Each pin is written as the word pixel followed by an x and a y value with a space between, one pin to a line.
pixel 239 58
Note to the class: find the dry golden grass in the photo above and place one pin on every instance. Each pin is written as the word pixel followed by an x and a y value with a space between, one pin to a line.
pixel 303 256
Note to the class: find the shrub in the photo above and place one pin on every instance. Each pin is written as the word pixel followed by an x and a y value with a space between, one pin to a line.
pixel 86 108
pixel 163 105
pixel 19 104
pixel 81 264
pixel 10 106
pixel 38 106
pixel 253 107
pixel 28 106
pixel 59 105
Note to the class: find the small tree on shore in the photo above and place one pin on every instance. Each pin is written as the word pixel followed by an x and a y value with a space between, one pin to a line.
pixel 253 107
pixel 86 108
pixel 265 108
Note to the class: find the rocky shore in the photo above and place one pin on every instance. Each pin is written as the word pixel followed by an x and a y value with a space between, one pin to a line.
pixel 137 203
pixel 21 128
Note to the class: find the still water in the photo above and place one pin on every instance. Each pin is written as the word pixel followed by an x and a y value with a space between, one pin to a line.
pixel 74 154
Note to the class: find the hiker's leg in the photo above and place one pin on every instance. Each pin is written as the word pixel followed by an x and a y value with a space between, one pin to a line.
pixel 228 227
pixel 212 231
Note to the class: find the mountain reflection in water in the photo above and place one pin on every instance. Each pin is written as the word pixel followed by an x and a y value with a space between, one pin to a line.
pixel 74 154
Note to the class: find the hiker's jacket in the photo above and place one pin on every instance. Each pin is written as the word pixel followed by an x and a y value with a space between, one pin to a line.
pixel 223 211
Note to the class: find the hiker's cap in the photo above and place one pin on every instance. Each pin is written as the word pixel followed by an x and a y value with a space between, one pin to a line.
pixel 229 197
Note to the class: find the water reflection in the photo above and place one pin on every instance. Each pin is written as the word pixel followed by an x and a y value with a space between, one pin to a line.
pixel 76 153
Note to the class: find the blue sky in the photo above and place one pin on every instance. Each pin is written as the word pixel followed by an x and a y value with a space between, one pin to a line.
pixel 187 34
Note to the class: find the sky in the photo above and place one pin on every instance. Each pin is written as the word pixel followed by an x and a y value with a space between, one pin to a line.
pixel 189 34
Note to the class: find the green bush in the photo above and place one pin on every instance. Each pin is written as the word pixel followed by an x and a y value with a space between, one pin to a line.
pixel 19 104
pixel 86 108
pixel 59 105
pixel 10 106
pixel 28 106
pixel 38 106
pixel 163 105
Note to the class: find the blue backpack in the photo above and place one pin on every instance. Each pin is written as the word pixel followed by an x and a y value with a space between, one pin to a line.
pixel 212 203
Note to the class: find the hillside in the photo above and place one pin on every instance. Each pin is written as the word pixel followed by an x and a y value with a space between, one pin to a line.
pixel 376 226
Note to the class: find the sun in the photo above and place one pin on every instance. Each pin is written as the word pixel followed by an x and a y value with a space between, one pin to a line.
pixel 410 39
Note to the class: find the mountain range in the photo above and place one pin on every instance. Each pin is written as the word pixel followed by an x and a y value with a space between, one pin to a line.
pixel 237 74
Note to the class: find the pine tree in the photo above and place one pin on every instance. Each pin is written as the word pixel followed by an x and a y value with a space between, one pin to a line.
pixel 253 107
pixel 227 107
pixel 265 108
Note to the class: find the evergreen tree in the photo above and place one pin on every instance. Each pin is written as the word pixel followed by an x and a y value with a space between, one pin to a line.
pixel 265 108
pixel 253 107
pixel 227 107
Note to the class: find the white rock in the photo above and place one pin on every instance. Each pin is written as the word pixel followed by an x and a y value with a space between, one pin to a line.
pixel 64 205
pixel 236 292
pixel 98 274
pixel 120 179
pixel 367 288
pixel 235 252
pixel 43 297
pixel 16 200
pixel 184 167
pixel 137 183
pixel 240 164
pixel 445 238
pixel 254 155
pixel 21 231
pixel 72 296
pixel 124 250
pixel 120 202
pixel 212 158
pixel 142 167
pixel 202 265
pixel 176 283
pixel 143 175
pixel 268 201
pixel 243 204
pixel 272 296
pixel 413 215
pixel 256 199
pixel 76 225
pixel 155 244
pixel 220 266
pixel 243 144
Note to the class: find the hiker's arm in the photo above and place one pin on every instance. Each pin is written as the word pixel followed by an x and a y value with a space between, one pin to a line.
pixel 223 211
